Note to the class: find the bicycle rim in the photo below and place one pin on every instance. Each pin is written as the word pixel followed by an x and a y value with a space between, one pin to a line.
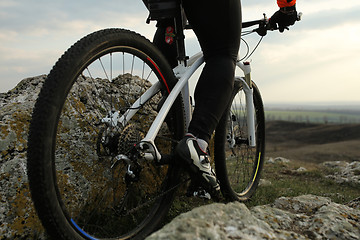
pixel 238 165
pixel 101 195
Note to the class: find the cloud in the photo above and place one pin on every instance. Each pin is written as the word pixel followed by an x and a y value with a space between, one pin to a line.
pixel 40 16
pixel 315 60
pixel 34 33
pixel 312 7
pixel 16 64
pixel 330 18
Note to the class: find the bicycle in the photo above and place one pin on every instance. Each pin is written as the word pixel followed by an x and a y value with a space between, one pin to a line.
pixel 101 139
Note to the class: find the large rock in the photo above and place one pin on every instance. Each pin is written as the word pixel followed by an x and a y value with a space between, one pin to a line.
pixel 287 218
pixel 17 215
pixel 18 219
pixel 303 217
pixel 344 172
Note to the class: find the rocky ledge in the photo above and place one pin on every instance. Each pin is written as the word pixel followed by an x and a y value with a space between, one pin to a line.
pixel 303 217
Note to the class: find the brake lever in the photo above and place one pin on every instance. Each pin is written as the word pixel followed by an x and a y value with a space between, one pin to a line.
pixel 263 27
pixel 299 16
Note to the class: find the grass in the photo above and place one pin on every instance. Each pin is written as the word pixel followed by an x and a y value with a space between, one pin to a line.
pixel 313 116
pixel 286 181
pixel 282 181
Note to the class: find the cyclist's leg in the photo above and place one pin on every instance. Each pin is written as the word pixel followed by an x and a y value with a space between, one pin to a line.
pixel 217 25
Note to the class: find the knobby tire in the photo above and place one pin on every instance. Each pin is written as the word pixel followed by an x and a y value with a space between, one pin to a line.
pixel 80 190
pixel 238 167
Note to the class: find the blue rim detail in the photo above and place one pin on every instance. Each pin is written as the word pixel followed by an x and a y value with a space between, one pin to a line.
pixel 82 231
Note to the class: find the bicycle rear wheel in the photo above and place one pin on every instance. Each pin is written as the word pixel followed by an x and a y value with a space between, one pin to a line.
pixel 238 166
pixel 87 179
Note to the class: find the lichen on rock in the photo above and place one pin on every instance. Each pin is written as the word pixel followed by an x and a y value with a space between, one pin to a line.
pixel 303 217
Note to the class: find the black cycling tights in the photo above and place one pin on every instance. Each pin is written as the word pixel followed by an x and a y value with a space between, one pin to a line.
pixel 217 25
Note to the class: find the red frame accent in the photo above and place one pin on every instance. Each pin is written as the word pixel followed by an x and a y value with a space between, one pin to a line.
pixel 162 76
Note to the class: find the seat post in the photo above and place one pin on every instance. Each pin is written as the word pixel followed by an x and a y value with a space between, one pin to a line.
pixel 180 37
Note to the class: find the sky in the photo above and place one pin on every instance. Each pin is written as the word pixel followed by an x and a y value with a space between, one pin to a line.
pixel 317 61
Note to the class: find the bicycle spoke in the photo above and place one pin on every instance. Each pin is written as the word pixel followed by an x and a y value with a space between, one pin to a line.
pixel 117 198
pixel 242 160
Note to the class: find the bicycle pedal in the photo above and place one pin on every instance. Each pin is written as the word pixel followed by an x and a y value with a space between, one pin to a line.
pixel 201 193
pixel 195 190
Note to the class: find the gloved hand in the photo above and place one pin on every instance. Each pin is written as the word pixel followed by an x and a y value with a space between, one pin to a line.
pixel 282 19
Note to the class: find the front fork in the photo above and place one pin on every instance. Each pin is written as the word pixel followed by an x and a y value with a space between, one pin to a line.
pixel 249 98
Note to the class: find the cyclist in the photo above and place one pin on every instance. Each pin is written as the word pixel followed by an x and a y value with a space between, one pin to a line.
pixel 217 25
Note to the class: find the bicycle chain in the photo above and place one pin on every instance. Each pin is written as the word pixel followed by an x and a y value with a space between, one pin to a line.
pixel 155 198
pixel 128 137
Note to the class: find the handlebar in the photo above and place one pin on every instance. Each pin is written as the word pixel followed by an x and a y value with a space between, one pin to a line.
pixel 252 23
pixel 264 25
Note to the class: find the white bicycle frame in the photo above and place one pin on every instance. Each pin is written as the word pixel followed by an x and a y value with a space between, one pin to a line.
pixel 183 73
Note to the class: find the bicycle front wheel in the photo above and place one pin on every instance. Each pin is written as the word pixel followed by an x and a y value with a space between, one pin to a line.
pixel 238 165
pixel 87 178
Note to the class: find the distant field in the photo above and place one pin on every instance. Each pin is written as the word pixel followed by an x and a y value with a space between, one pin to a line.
pixel 313 116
